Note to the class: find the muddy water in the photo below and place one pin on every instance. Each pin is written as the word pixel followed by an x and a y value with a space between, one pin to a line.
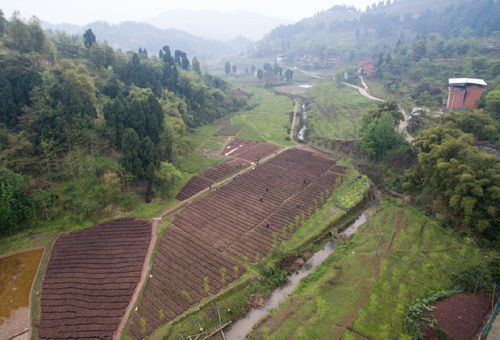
pixel 302 131
pixel 16 277
pixel 243 327
pixel 355 226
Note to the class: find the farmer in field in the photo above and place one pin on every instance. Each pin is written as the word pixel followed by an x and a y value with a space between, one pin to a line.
pixel 267 225
pixel 261 198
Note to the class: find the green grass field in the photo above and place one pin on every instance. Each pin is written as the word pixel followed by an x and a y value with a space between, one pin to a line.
pixel 193 163
pixel 269 120
pixel 336 112
pixel 213 145
pixel 368 283
pixel 201 134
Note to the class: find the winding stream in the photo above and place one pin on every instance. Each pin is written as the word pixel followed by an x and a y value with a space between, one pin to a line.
pixel 243 327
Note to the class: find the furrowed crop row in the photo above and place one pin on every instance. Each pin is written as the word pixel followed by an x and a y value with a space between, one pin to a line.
pixel 182 264
pixel 90 279
pixel 231 219
pixel 195 185
pixel 249 150
pixel 263 238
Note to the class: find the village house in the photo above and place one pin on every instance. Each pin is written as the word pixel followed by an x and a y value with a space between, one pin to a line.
pixel 366 67
pixel 463 93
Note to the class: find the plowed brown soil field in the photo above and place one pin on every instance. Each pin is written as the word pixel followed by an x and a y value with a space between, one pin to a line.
pixel 209 176
pixel 90 278
pixel 462 316
pixel 234 220
pixel 248 150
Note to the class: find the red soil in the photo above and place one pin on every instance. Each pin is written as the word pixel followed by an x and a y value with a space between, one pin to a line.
pixel 90 278
pixel 231 219
pixel 192 187
pixel 462 316
pixel 248 150
pixel 221 170
pixel 210 176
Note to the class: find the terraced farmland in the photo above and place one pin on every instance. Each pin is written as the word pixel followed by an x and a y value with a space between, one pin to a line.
pixel 248 150
pixel 90 278
pixel 223 169
pixel 228 131
pixel 192 187
pixel 185 271
pixel 234 220
pixel 210 176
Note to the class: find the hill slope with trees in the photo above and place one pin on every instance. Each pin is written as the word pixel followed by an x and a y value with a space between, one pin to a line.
pixel 81 124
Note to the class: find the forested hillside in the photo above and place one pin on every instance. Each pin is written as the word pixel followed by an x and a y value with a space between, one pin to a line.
pixel 130 35
pixel 82 124
pixel 350 34
pixel 415 47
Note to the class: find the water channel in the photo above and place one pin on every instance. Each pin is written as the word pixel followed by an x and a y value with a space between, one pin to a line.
pixel 303 129
pixel 243 327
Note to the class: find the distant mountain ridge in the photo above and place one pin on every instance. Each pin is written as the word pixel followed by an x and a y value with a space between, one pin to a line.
pixel 131 35
pixel 217 24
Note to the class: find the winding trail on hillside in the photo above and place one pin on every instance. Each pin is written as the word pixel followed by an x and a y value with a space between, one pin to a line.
pixel 402 123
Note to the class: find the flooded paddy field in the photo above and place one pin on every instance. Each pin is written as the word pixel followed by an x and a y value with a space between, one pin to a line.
pixel 17 273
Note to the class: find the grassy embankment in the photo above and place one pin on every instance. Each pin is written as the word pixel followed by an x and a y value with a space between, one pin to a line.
pixel 365 286
pixel 336 112
pixel 262 278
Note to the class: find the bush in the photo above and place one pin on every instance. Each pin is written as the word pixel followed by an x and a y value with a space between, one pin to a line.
pixel 480 277
pixel 16 208
pixel 441 335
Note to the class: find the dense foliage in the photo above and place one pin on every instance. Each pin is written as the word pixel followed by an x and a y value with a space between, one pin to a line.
pixel 379 130
pixel 64 98
pixel 457 180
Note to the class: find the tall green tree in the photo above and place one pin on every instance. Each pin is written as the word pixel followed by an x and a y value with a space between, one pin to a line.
pixel 130 158
pixel 18 34
pixel 195 65
pixel 260 74
pixel 227 68
pixel 3 23
pixel 89 38
pixel 380 135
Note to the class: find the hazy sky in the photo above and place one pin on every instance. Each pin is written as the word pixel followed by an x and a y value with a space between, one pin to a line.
pixel 85 11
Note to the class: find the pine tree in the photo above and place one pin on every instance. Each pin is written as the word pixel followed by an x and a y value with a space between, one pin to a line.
pixel 131 149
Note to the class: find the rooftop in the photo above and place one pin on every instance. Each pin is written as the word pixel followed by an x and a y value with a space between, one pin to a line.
pixel 456 81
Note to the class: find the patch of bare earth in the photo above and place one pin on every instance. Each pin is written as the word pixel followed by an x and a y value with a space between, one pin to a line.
pixel 462 316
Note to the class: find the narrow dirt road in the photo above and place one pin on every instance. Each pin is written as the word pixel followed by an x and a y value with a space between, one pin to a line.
pixel 364 92
pixel 402 123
